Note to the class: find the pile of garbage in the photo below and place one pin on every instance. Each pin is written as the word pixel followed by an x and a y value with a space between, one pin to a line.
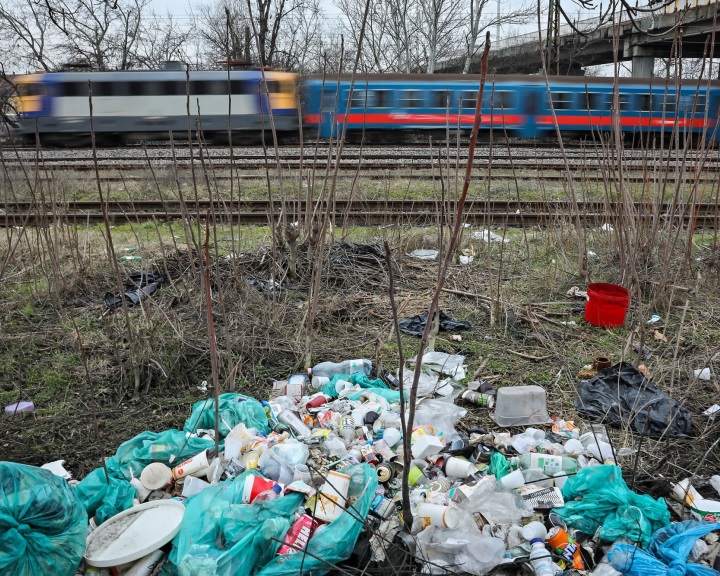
pixel 313 477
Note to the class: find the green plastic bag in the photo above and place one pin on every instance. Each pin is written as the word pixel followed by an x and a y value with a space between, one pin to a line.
pixel 358 379
pixel 234 409
pixel 499 466
pixel 337 540
pixel 43 524
pixel 169 447
pixel 104 499
pixel 220 536
pixel 598 497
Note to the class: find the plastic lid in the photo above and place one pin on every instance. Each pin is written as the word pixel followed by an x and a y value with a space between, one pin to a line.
pixel 134 533
pixel 276 488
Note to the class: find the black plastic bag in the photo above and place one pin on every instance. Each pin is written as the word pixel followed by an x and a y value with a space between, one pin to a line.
pixel 414 326
pixel 622 394
pixel 138 286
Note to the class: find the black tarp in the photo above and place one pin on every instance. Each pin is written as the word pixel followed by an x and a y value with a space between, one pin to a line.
pixel 414 326
pixel 621 394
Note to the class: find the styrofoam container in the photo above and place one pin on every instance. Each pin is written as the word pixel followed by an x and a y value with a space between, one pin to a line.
pixel 134 533
pixel 521 406
pixel 426 446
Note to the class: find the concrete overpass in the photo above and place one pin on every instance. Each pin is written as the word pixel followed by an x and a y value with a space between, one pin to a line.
pixel 693 26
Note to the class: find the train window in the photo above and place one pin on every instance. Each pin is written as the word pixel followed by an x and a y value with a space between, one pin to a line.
pixel 562 100
pixel 171 88
pixel 411 99
pixel 274 87
pixel 669 104
pixel 469 98
pixel 136 88
pixel 359 98
pixel 695 104
pixel 198 87
pixel 645 102
pixel 439 99
pixel 240 87
pixel 595 101
pixel 75 89
pixel 501 100
pixel 328 100
pixel 383 98
pixel 625 101
pixel 102 89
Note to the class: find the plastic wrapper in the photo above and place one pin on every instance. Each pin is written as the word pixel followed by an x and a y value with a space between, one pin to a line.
pixel 622 394
pixel 358 379
pixel 281 461
pixel 234 409
pixel 597 497
pixel 43 524
pixel 499 466
pixel 443 416
pixel 667 552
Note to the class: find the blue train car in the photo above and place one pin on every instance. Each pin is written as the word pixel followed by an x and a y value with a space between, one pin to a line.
pixel 388 105
pixel 151 104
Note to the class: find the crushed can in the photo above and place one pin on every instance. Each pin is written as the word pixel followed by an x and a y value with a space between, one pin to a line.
pixel 478 398
pixel 382 507
pixel 299 535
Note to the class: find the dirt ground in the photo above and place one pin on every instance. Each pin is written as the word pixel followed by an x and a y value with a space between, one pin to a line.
pixel 99 377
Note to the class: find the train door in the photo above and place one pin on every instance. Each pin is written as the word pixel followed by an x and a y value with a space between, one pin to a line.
pixel 529 97
pixel 329 108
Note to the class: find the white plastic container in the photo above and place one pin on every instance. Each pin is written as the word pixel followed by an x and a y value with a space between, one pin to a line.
pixel 436 515
pixel 521 406
pixel 332 496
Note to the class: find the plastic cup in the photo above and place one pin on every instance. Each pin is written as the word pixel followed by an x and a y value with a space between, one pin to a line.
pixel 436 515
pixel 573 446
pixel 560 479
pixel 459 468
pixel 254 485
pixel 190 466
pixel 513 480
pixel 233 448
pixel 156 476
pixel 392 436
pixel 332 496
pixel 534 530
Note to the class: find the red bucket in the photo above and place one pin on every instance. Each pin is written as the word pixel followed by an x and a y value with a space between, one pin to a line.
pixel 607 305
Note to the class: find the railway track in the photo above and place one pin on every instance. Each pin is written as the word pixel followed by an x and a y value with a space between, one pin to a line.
pixel 359 212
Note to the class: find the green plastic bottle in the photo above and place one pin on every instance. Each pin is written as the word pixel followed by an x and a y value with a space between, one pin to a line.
pixel 548 463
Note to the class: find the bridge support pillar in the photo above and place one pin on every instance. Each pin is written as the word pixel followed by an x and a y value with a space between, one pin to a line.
pixel 643 66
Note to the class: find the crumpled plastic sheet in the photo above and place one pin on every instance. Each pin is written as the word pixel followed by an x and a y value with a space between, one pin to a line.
pixel 465 551
pixel 667 552
pixel 414 326
pixel 452 365
pixel 598 497
pixel 43 524
pixel 622 394
pixel 443 416
pixel 138 286
pixel 220 536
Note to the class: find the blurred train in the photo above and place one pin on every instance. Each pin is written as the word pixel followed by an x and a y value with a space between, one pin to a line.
pixel 149 105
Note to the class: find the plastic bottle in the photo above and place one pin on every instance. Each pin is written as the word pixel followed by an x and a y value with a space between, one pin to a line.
pixel 549 463
pixel 330 369
pixel 541 559
pixel 266 495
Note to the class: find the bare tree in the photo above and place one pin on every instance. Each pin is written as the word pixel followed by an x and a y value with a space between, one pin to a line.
pixel 479 21
pixel 392 41
pixel 162 39
pixel 441 20
pixel 25 28
pixel 286 30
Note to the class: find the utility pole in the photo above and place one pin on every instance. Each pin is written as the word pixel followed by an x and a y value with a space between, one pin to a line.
pixel 497 24
pixel 552 40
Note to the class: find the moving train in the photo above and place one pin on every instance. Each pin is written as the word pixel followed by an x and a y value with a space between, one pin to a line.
pixel 149 105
